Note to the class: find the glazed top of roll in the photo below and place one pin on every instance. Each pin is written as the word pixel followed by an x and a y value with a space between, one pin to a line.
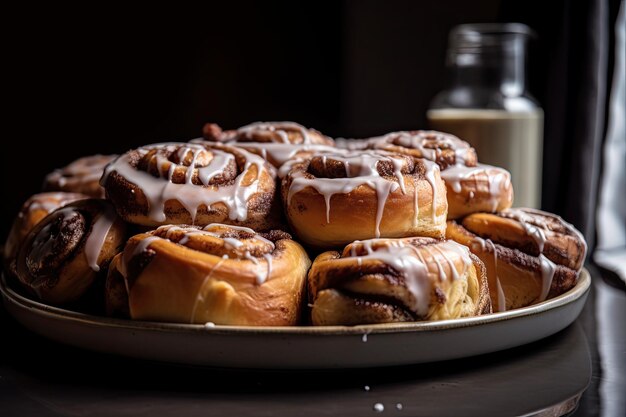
pixel 419 265
pixel 219 273
pixel 443 148
pixel 343 171
pixel 82 224
pixel 60 257
pixel 231 244
pixel 182 171
pixel 33 211
pixel 79 175
pixel 532 231
pixel 277 142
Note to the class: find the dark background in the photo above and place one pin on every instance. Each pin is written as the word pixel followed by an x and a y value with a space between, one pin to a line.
pixel 111 80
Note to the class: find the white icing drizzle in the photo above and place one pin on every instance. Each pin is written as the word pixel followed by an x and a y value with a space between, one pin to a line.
pixel 431 176
pixel 227 226
pixel 487 243
pixel 251 258
pixel 361 169
pixel 352 144
pixel 259 137
pixel 421 141
pixel 80 171
pixel 269 128
pixel 229 242
pixel 159 190
pixel 241 229
pixel 141 246
pixel 547 275
pixel 408 259
pixel 199 297
pixel 525 218
pixel 97 237
pixel 440 270
pixel 402 257
pixel 536 232
pixel 464 256
pixel 498 180
pixel 535 227
pixel 501 297
pixel 268 259
pixel 501 300
pixel 232 242
pixel 548 267
pixel 280 153
pixel 49 202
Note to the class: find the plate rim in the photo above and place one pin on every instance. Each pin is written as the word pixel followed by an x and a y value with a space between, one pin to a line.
pixel 579 290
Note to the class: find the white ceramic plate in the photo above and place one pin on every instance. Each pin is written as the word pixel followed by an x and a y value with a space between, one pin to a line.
pixel 302 347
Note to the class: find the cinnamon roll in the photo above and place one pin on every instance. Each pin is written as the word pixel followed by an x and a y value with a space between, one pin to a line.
pixel 220 274
pixel 397 280
pixel 61 257
pixel 471 187
pixel 81 176
pixel 32 212
pixel 184 183
pixel 277 142
pixel 332 199
pixel 530 255
pixel 443 148
pixel 115 290
pixel 480 188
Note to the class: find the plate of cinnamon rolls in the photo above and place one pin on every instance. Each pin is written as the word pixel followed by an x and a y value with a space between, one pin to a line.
pixel 276 246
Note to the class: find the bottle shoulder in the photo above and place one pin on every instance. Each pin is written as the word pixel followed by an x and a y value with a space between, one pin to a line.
pixel 483 98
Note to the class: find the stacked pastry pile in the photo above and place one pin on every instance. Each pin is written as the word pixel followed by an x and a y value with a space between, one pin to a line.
pixel 403 227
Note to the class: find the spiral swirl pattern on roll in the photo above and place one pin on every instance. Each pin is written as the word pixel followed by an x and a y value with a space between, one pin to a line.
pixel 186 183
pixel 219 273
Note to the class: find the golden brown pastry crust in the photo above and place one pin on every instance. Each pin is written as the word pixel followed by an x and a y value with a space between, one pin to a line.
pixel 481 188
pixel 62 256
pixel 153 185
pixel 471 187
pixel 391 280
pixel 529 254
pixel 32 212
pixel 115 291
pixel 219 274
pixel 277 142
pixel 443 148
pixel 81 176
pixel 332 199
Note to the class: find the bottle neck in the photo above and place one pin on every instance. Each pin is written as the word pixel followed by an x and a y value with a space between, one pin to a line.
pixel 498 67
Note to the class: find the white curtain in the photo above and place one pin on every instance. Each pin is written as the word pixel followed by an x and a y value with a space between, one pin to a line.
pixel 611 213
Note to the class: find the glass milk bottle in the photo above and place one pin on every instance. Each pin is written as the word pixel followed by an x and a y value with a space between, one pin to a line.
pixel 486 103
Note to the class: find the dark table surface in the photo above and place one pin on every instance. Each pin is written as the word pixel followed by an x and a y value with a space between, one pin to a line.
pixel 579 371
